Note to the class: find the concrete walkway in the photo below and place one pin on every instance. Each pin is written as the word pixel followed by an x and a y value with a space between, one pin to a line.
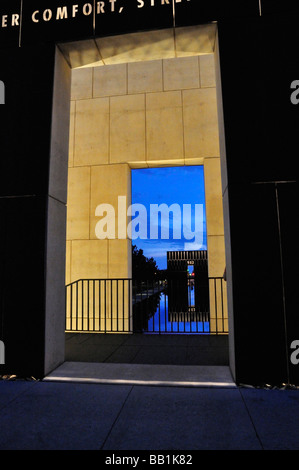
pixel 167 349
pixel 143 374
pixel 175 409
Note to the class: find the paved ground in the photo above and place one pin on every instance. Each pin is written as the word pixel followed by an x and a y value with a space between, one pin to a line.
pixel 62 415
pixel 143 374
pixel 133 406
pixel 182 349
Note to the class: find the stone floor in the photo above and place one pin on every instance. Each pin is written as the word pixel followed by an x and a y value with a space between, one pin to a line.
pixel 143 374
pixel 140 420
pixel 148 395
pixel 171 349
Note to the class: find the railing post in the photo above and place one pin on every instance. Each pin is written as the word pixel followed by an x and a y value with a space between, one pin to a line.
pixel 216 316
pixel 141 292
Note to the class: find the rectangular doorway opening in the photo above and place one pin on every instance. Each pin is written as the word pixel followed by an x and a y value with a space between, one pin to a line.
pixel 128 119
pixel 172 290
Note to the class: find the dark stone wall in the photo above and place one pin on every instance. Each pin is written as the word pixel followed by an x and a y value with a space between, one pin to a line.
pixel 257 61
pixel 25 136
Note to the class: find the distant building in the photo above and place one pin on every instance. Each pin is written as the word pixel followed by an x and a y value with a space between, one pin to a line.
pixel 179 283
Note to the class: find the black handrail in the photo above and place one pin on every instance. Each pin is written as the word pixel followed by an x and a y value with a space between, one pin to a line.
pixel 99 305
pixel 126 306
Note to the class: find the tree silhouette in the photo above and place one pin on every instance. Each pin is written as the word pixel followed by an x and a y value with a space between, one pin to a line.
pixel 143 268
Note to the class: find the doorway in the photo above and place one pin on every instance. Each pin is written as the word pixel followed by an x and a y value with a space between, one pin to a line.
pixel 132 115
pixel 170 257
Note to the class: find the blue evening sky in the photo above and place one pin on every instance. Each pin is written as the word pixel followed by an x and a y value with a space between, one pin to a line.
pixel 170 185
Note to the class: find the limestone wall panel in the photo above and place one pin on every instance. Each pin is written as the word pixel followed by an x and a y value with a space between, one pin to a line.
pixel 110 81
pixel 92 132
pixel 81 84
pixel 207 71
pixel 213 192
pixel 127 128
pixel 200 123
pixel 108 182
pixel 181 74
pixel 164 126
pixel 78 203
pixel 89 259
pixel 145 77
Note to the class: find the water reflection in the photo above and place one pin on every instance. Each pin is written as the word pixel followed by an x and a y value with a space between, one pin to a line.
pixel 172 311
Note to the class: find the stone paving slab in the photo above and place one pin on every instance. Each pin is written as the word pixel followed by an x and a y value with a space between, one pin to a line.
pixel 275 414
pixel 51 416
pixel 183 418
pixel 44 415
pixel 183 349
pixel 143 374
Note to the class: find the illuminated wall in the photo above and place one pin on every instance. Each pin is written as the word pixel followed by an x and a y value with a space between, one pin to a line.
pixel 138 114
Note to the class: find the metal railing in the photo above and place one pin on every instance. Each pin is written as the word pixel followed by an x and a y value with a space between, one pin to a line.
pixel 99 305
pixel 192 307
pixel 126 306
